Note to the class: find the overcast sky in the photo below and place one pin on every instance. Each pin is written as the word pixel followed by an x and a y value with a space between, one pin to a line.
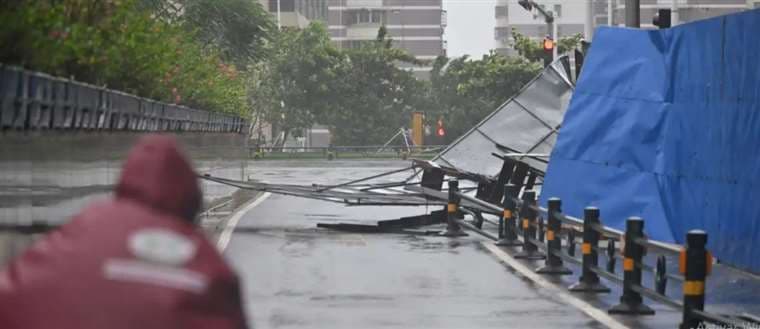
pixel 470 27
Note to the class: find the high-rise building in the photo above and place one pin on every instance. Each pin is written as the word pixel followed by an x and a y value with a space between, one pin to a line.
pixel 414 25
pixel 571 15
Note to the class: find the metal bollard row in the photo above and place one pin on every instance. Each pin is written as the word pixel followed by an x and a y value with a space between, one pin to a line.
pixel 694 261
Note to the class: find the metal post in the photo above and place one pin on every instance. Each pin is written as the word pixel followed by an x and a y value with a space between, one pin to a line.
pixel 279 16
pixel 541 231
pixel 674 13
pixel 611 256
pixel 694 263
pixel 589 281
pixel 632 13
pixel 610 12
pixel 528 214
pixel 453 229
pixel 553 263
pixel 555 39
pixel 507 234
pixel 631 301
pixel 589 26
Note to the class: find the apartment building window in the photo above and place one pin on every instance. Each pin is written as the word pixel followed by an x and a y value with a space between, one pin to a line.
pixel 502 11
pixel 502 32
pixel 366 16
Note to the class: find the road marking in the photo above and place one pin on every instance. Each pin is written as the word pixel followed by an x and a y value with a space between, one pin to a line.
pixel 590 310
pixel 226 236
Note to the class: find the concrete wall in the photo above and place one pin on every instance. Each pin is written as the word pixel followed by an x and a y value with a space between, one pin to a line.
pixel 51 176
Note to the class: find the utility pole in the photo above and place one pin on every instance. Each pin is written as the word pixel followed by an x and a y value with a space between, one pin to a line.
pixel 632 13
pixel 674 13
pixel 610 12
pixel 589 28
pixel 279 16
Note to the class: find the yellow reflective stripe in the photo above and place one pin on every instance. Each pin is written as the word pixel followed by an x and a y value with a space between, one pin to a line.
pixel 627 264
pixel 526 224
pixel 550 235
pixel 694 288
pixel 452 207
pixel 586 248
pixel 507 214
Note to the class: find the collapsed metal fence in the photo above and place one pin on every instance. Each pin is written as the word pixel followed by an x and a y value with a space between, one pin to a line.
pixel 521 224
pixel 37 101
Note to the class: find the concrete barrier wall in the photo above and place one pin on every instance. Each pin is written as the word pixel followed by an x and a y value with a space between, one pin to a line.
pixel 50 176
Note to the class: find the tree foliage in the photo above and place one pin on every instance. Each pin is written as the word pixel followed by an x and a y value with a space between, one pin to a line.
pixel 239 29
pixel 464 91
pixel 120 44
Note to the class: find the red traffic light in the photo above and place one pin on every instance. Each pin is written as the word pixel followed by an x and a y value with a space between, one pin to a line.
pixel 548 44
pixel 440 131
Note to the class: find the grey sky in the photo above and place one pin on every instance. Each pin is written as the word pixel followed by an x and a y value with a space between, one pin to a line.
pixel 470 27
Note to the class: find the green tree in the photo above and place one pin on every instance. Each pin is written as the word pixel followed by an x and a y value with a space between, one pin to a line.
pixel 296 84
pixel 121 45
pixel 464 91
pixel 239 29
pixel 374 96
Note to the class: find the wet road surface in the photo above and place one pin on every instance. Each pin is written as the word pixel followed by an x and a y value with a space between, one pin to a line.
pixel 298 276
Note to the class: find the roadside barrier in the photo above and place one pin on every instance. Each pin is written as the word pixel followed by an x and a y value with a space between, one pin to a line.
pixel 37 101
pixel 695 261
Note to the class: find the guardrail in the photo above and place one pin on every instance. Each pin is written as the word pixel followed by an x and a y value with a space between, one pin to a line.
pixel 544 242
pixel 331 152
pixel 37 101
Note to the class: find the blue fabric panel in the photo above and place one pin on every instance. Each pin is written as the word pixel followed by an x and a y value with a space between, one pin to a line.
pixel 665 124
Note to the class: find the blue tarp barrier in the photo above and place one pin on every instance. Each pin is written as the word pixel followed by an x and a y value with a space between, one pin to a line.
pixel 665 125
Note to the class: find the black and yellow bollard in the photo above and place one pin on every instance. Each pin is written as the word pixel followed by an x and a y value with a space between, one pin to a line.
pixel 453 229
pixel 507 233
pixel 528 214
pixel 695 263
pixel 631 302
pixel 553 263
pixel 589 280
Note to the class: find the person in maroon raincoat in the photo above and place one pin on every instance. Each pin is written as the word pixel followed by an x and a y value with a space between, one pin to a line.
pixel 136 261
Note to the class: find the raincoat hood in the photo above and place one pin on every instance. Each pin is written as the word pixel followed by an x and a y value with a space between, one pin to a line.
pixel 157 175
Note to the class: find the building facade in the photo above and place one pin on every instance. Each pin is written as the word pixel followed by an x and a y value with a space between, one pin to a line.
pixel 414 25
pixel 688 10
pixel 296 13
pixel 571 16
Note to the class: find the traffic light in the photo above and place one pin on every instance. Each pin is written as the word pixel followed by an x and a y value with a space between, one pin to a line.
pixel 548 45
pixel 662 18
pixel 440 131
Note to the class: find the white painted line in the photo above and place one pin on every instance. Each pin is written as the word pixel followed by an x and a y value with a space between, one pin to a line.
pixel 226 236
pixel 595 313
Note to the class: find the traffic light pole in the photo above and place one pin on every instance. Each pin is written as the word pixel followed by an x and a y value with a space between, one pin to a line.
pixel 548 17
pixel 555 39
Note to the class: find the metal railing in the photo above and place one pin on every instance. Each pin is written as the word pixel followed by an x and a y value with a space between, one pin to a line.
pixel 543 241
pixel 260 151
pixel 37 101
